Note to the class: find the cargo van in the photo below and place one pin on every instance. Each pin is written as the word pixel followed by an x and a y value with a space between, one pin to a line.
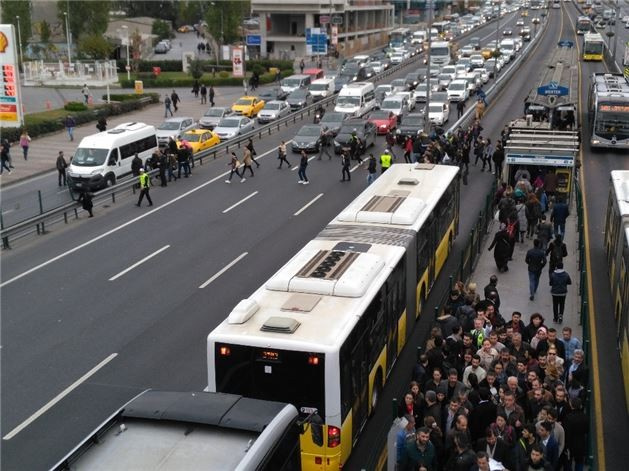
pixel 322 88
pixel 440 54
pixel 292 83
pixel 356 99
pixel 102 158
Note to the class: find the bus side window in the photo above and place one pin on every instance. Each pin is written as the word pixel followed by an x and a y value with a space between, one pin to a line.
pixel 113 157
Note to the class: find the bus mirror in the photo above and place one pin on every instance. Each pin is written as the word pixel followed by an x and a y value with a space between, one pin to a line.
pixel 316 430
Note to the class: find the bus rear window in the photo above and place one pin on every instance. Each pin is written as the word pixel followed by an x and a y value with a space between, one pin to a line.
pixel 272 374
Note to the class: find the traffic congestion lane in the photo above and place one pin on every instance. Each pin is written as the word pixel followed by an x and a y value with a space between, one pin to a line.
pixel 140 303
pixel 23 200
pixel 595 173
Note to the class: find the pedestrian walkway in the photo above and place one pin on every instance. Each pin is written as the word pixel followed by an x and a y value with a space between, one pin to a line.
pixel 43 150
pixel 513 285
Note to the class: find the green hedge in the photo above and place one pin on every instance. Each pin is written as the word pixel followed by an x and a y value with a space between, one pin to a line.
pixel 175 66
pixel 132 96
pixel 159 82
pixel 40 123
pixel 75 106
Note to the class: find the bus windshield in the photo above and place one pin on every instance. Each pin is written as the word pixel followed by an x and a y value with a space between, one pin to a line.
pixel 612 119
pixel 89 157
pixel 271 374
pixel 591 47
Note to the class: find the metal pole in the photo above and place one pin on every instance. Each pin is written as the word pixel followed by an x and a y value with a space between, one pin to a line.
pixel 497 43
pixel 616 20
pixel 41 205
pixel 429 5
pixel 126 29
pixel 65 14
pixel 19 40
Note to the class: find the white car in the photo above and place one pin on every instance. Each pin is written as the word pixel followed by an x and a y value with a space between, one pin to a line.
pixel 213 116
pixel 484 75
pixel 465 61
pixel 466 51
pixel 228 128
pixel 460 69
pixel 273 110
pixel 457 90
pixel 476 60
pixel 410 99
pixel 377 66
pixel 397 58
pixel 444 81
pixel 438 113
pixel 473 82
pixel 449 70
pixel 396 104
pixel 362 59
pixel 173 127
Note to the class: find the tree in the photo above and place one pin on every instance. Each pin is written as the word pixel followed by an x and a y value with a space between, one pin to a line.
pixel 44 32
pixel 91 17
pixel 95 46
pixel 196 69
pixel 164 9
pixel 189 12
pixel 226 17
pixel 11 9
pixel 162 29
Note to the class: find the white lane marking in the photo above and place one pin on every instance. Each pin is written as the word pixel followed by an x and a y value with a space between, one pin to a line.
pixel 121 226
pixel 57 398
pixel 137 264
pixel 240 202
pixel 308 204
pixel 297 166
pixel 8 211
pixel 224 269
pixel 354 167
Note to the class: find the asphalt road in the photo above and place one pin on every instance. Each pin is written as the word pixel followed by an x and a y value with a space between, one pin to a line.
pixel 596 167
pixel 22 201
pixel 88 307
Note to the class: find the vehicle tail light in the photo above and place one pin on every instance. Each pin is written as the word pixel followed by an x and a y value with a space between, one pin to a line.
pixel 224 351
pixel 313 360
pixel 318 460
pixel 334 436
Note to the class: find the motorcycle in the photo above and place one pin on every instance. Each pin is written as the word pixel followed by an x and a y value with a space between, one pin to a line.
pixel 318 115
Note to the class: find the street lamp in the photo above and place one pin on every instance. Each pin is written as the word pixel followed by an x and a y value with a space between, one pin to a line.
pixel 65 14
pixel 222 33
pixel 497 42
pixel 429 5
pixel 126 30
pixel 19 40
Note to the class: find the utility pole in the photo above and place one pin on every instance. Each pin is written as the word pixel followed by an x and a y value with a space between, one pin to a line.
pixel 429 5
pixel 19 42
pixel 497 43
pixel 616 20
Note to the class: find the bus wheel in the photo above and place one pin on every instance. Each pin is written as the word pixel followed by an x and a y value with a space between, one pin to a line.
pixel 375 392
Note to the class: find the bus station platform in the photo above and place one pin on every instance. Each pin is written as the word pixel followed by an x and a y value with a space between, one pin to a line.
pixel 513 285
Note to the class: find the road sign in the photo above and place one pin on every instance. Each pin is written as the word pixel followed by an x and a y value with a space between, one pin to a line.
pixel 553 89
pixel 324 19
pixel 316 41
pixel 336 20
pixel 254 40
pixel 335 35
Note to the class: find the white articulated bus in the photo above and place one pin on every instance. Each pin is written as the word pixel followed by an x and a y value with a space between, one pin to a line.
pixel 323 333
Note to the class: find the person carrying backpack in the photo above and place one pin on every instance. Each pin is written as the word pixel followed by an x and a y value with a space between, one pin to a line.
pixel 556 252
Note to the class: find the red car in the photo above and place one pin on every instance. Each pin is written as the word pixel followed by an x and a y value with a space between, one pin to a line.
pixel 383 120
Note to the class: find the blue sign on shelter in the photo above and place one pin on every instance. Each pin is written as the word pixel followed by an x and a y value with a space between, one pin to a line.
pixel 553 88
pixel 254 40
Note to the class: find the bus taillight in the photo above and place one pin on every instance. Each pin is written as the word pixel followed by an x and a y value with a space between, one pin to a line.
pixel 313 360
pixel 224 351
pixel 334 436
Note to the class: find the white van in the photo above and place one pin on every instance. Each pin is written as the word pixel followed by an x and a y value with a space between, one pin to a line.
pixel 507 48
pixel 322 88
pixel 102 158
pixel 356 99
pixel 440 53
pixel 292 83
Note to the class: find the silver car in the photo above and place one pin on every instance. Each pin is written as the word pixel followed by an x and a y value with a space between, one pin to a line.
pixel 173 127
pixel 273 110
pixel 231 127
pixel 212 117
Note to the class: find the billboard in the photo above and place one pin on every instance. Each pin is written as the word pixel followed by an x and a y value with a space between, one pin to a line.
pixel 238 62
pixel 10 98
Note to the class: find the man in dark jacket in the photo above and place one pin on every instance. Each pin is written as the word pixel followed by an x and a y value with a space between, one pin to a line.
pixel 559 281
pixel 483 415
pixel 559 215
pixel 492 287
pixel 496 449
pixel 464 458
pixel 498 157
pixel 536 260
pixel 420 452
pixel 136 165
pixel 576 424
pixel 175 99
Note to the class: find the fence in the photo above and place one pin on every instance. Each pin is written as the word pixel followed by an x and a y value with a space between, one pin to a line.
pixel 592 457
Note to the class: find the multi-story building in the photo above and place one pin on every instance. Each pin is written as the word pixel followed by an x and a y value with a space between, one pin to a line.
pixel 365 24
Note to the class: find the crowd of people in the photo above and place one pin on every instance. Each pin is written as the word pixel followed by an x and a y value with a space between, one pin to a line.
pixel 490 392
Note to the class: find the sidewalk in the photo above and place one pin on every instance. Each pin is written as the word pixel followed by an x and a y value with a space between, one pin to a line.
pixel 43 151
pixel 513 285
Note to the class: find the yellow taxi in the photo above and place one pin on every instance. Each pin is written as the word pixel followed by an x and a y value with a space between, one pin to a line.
pixel 488 50
pixel 248 106
pixel 524 13
pixel 198 139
